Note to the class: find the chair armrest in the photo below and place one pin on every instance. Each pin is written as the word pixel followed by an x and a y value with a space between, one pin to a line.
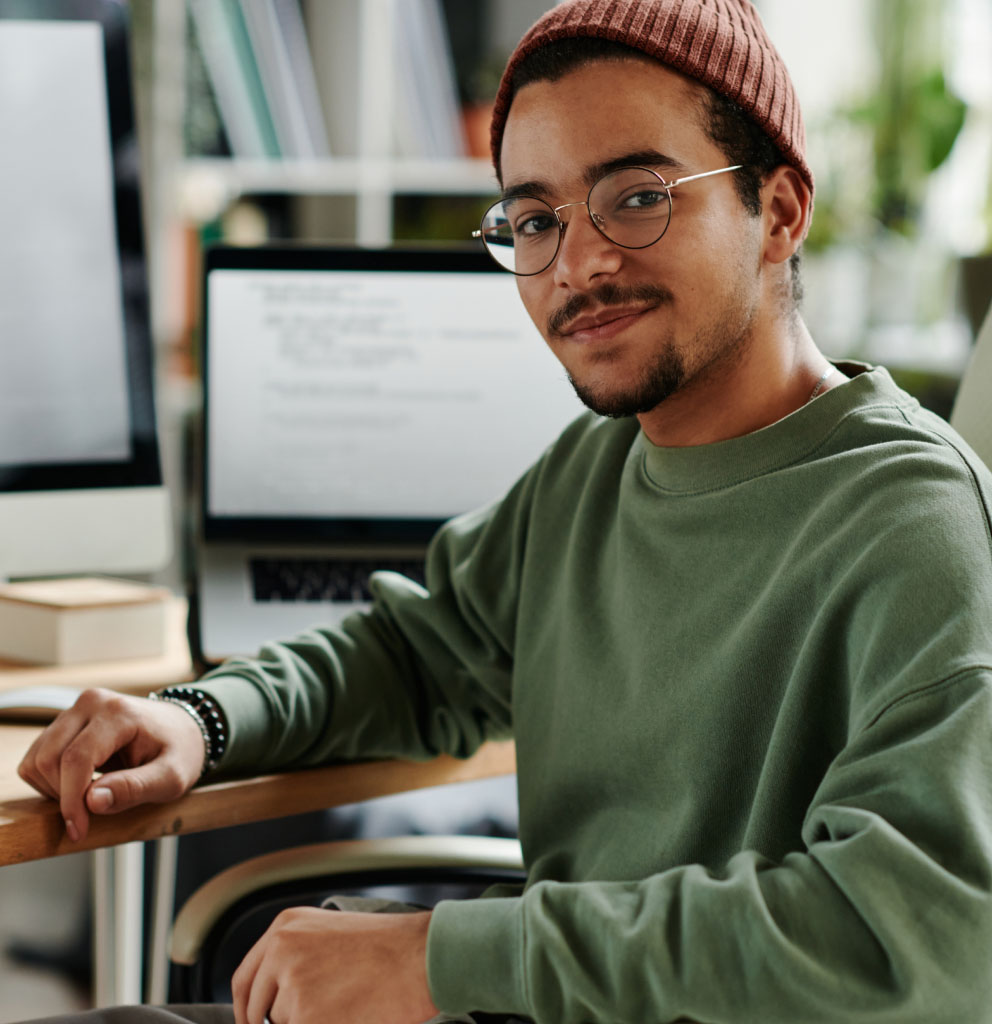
pixel 205 907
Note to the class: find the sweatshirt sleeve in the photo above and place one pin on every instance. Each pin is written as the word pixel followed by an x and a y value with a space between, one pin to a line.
pixel 424 672
pixel 885 915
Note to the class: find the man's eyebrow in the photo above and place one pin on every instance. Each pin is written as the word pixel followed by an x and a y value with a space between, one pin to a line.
pixel 526 188
pixel 641 158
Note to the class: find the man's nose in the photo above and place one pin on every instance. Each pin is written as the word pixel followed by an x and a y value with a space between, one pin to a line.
pixel 584 253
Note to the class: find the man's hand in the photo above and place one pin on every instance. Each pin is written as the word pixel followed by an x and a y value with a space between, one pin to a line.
pixel 150 751
pixel 313 966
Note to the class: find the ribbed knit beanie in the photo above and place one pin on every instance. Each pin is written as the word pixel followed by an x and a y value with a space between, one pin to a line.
pixel 722 43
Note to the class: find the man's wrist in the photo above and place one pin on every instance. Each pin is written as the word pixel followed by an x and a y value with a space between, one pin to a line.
pixel 208 716
pixel 422 921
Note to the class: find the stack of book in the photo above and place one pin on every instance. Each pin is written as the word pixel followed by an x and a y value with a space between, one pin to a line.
pixel 82 619
pixel 259 63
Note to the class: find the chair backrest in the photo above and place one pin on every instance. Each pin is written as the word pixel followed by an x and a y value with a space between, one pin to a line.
pixel 971 416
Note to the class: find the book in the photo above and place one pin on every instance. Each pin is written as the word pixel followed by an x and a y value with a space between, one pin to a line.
pixel 81 619
pixel 279 40
pixel 428 121
pixel 234 75
pixel 204 133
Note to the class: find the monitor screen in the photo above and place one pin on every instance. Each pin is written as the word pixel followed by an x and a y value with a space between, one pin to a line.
pixel 411 389
pixel 76 396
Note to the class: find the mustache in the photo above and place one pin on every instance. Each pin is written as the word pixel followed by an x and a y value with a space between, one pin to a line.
pixel 606 295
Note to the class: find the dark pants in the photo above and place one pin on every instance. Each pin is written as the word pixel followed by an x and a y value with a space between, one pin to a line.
pixel 184 1015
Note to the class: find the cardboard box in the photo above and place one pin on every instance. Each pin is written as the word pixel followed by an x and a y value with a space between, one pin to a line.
pixel 68 621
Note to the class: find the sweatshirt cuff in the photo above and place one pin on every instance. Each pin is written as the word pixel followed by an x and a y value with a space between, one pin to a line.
pixel 247 714
pixel 475 956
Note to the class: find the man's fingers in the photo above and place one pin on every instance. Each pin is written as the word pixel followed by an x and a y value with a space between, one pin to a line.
pixel 157 748
pixel 29 772
pixel 262 997
pixel 36 781
pixel 41 765
pixel 94 745
pixel 154 782
pixel 285 1005
pixel 243 979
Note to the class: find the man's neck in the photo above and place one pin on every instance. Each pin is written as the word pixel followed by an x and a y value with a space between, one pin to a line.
pixel 773 377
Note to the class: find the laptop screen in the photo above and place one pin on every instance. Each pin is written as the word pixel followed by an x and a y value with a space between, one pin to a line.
pixel 356 395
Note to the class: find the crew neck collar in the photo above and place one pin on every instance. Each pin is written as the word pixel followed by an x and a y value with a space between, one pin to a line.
pixel 710 467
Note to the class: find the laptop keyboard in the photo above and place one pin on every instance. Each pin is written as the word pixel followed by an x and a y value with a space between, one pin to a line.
pixel 323 579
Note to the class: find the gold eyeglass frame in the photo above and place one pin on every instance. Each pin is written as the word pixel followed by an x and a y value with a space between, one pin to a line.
pixel 666 185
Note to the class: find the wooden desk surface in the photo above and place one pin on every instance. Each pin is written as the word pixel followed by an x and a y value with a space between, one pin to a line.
pixel 31 827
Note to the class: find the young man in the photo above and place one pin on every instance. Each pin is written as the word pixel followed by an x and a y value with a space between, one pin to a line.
pixel 739 624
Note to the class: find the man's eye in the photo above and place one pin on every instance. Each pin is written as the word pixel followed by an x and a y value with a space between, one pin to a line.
pixel 643 200
pixel 537 224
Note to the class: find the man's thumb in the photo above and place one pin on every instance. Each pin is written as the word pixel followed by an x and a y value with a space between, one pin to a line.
pixel 100 800
pixel 121 790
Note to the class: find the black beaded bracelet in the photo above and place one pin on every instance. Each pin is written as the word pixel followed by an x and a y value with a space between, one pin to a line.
pixel 208 715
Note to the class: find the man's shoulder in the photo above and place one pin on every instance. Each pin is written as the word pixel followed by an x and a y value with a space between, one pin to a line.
pixel 903 444
pixel 907 491
pixel 893 495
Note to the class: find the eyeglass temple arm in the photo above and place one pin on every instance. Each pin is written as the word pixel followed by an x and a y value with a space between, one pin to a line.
pixel 705 174
pixel 668 184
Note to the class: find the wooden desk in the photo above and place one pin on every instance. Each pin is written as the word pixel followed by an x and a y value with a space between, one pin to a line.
pixel 31 826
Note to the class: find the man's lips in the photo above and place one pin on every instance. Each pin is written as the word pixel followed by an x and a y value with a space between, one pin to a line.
pixel 604 324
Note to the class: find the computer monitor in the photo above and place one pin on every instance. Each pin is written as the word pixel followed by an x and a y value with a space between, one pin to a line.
pixel 80 480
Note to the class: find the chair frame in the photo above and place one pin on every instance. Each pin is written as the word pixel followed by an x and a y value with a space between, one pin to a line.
pixel 328 867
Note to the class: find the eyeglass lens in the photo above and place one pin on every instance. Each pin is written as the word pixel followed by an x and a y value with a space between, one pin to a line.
pixel 630 207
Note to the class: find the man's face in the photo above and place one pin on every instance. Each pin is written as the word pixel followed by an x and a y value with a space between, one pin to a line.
pixel 634 326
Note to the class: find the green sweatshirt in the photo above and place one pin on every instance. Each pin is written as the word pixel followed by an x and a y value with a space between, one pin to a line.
pixel 749 685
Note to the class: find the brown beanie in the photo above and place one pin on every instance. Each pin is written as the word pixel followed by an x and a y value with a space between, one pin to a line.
pixel 721 43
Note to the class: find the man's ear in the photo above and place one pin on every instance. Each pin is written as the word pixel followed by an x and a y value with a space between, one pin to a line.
pixel 788 209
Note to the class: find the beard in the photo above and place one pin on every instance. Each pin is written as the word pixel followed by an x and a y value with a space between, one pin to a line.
pixel 657 382
pixel 714 346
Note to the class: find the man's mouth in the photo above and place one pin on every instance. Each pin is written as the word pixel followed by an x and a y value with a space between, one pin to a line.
pixel 602 325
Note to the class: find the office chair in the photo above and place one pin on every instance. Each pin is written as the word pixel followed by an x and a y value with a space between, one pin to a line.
pixel 220 922
pixel 971 416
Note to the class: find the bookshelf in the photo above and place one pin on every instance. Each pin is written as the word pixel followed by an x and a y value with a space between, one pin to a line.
pixel 374 66
pixel 363 177
pixel 349 193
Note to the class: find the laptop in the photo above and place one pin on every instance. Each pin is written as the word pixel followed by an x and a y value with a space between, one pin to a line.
pixel 354 400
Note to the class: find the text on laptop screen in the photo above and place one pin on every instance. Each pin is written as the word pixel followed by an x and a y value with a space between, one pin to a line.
pixel 363 394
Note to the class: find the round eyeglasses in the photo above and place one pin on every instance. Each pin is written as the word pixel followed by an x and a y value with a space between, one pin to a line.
pixel 631 207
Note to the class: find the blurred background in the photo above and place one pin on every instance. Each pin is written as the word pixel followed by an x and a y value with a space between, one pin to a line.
pixel 897 96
